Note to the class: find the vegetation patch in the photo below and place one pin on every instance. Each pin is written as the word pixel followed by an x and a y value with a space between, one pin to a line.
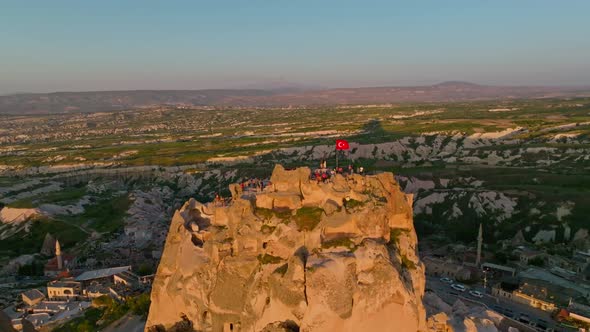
pixel 107 311
pixel 282 269
pixel 307 218
pixel 267 229
pixel 395 233
pixel 269 259
pixel 263 213
pixel 407 263
pixel 340 242
pixel 29 243
pixel 353 204
pixel 267 214
pixel 105 216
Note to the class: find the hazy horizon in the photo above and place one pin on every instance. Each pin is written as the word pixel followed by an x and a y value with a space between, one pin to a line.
pixel 182 45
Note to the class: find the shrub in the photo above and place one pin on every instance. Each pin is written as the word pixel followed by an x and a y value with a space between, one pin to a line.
pixel 140 305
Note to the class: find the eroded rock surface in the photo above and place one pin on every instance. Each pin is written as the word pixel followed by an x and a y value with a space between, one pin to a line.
pixel 338 256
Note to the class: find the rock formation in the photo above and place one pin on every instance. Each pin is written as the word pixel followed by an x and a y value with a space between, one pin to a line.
pixel 300 255
pixel 459 317
pixel 10 215
pixel 48 247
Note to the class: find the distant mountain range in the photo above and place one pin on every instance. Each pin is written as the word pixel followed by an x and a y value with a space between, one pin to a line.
pixel 70 102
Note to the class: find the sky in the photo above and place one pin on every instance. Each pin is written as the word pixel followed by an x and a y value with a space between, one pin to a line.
pixel 56 45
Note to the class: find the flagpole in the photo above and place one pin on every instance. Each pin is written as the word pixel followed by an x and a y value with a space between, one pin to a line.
pixel 336 157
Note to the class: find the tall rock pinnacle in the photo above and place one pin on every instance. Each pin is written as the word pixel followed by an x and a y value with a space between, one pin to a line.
pixel 300 255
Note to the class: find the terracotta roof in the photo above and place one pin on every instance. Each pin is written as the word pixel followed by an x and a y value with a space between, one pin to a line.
pixel 52 263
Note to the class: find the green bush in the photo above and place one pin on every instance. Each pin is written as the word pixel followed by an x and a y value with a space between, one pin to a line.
pixel 145 269
pixel 537 261
pixel 140 305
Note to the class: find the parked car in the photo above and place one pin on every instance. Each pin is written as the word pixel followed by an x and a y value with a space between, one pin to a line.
pixel 543 325
pixel 509 313
pixel 459 287
pixel 524 318
pixel 446 280
pixel 475 293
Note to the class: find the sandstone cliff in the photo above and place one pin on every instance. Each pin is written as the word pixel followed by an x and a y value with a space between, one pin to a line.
pixel 339 256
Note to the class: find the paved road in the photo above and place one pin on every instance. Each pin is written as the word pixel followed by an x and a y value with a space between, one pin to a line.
pixel 505 307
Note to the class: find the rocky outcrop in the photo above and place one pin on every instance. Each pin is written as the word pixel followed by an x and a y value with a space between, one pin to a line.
pixel 459 317
pixel 48 247
pixel 338 256
pixel 10 215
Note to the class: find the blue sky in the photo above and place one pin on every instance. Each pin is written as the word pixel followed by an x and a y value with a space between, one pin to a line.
pixel 113 45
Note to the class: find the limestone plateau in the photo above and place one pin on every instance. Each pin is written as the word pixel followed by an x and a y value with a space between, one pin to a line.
pixel 297 256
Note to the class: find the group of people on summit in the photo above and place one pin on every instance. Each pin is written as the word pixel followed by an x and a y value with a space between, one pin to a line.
pixel 325 174
pixel 322 174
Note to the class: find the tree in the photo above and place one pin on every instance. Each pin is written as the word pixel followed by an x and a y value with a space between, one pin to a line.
pixel 537 261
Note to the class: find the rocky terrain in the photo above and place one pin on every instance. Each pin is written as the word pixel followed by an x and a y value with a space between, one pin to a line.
pixel 71 102
pixel 299 255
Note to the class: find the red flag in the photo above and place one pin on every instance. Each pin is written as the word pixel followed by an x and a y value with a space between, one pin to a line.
pixel 342 144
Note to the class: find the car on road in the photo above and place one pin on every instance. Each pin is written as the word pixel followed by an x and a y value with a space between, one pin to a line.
pixel 543 325
pixel 524 318
pixel 509 313
pixel 459 287
pixel 475 293
pixel 446 280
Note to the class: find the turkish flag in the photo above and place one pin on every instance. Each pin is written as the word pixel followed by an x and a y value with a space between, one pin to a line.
pixel 342 144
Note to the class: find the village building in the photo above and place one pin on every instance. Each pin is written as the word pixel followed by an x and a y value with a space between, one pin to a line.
pixel 127 278
pixel 49 307
pixel 579 312
pixel 32 297
pixel 39 320
pixel 64 289
pixel 499 271
pixel 446 268
pixel 525 255
pixel 524 294
pixel 95 289
pixel 102 276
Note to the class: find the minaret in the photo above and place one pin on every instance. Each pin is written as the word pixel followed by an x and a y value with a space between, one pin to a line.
pixel 479 243
pixel 60 262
